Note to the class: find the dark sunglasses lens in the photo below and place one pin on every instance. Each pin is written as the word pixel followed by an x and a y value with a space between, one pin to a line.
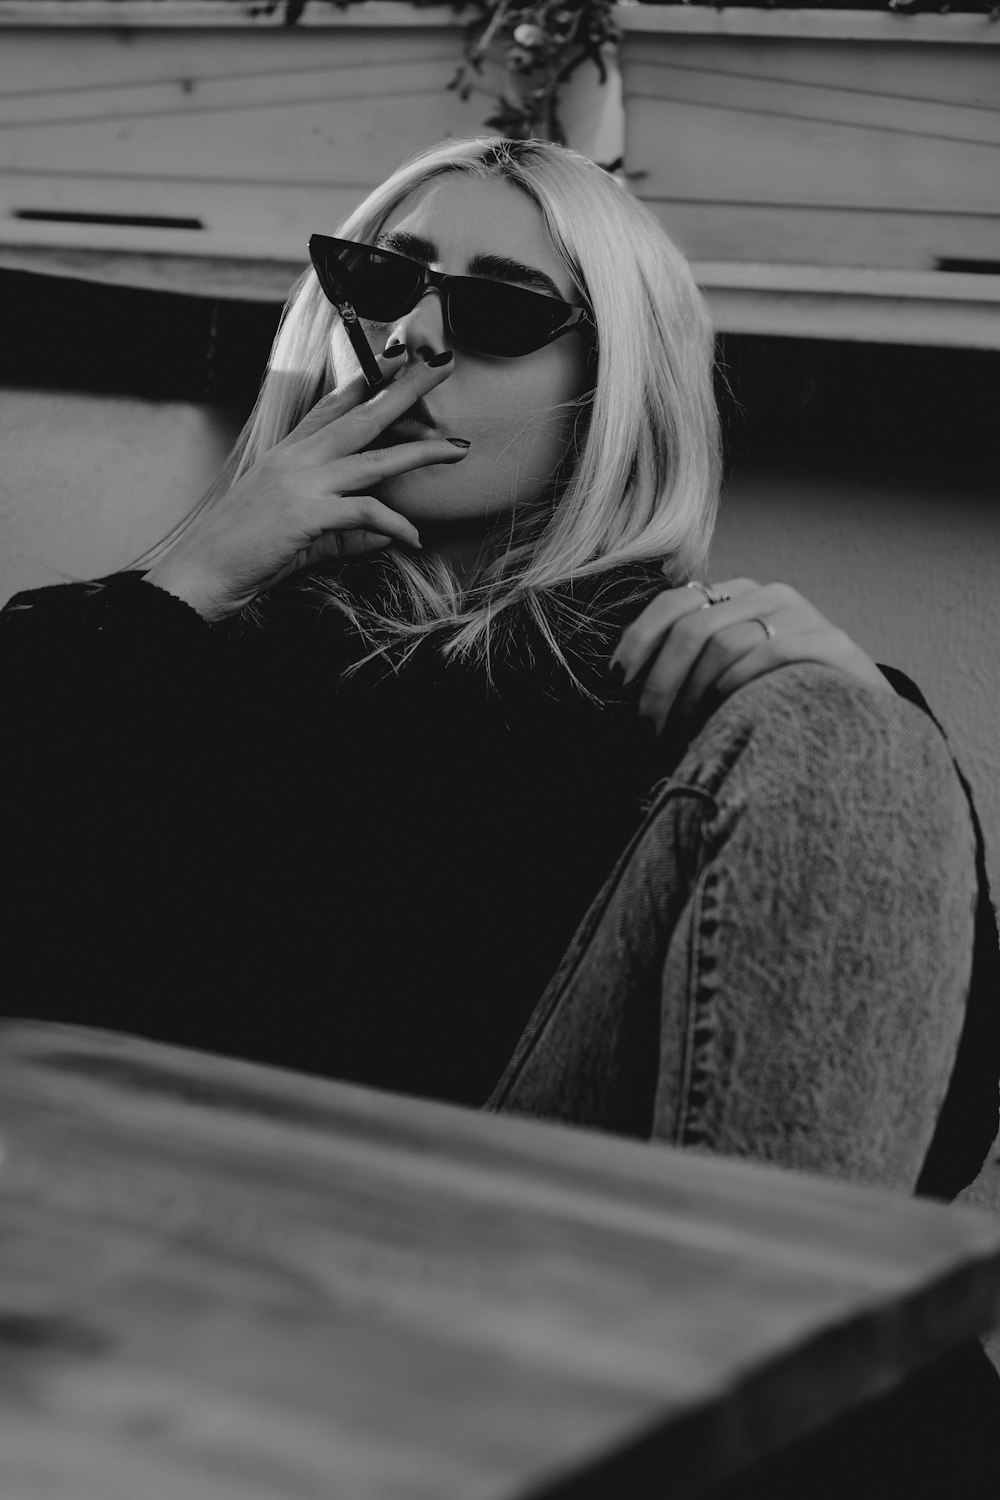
pixel 487 317
pixel 380 286
pixel 492 318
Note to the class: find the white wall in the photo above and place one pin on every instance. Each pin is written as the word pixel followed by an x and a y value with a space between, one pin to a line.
pixel 911 572
pixel 87 482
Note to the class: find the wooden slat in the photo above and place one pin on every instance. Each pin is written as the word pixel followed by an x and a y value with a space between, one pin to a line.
pixel 786 123
pixel 851 238
pixel 842 98
pixel 856 305
pixel 228 14
pixel 787 149
pixel 233 278
pixel 258 138
pixel 753 21
pixel 220 1279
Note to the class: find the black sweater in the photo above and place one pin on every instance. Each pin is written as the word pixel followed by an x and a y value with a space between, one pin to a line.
pixel 218 841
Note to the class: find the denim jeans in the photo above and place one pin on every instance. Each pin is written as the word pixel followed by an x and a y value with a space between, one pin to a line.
pixel 777 966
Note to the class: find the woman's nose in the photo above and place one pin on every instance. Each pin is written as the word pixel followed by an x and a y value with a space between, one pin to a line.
pixel 422 328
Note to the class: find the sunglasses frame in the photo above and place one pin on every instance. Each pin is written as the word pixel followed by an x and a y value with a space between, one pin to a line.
pixel 579 319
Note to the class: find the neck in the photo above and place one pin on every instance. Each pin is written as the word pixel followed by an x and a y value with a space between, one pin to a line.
pixel 464 547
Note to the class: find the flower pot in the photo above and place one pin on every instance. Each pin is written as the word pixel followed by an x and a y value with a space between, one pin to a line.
pixel 829 150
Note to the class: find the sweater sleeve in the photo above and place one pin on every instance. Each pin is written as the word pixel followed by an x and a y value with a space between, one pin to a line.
pixel 114 631
pixel 106 687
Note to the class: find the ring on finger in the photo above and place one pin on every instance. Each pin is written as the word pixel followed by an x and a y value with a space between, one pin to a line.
pixel 768 629
pixel 710 596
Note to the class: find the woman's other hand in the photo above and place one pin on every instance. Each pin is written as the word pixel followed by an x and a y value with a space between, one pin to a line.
pixel 308 498
pixel 694 654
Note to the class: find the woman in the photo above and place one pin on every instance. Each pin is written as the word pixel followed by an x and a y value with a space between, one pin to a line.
pixel 337 777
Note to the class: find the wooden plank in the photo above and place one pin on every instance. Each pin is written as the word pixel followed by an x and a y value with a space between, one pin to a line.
pixel 740 304
pixel 718 154
pixel 748 21
pixel 763 147
pixel 786 90
pixel 228 1280
pixel 229 14
pixel 261 220
pixel 254 138
pixel 866 70
pixel 233 278
pixel 830 236
pixel 307 141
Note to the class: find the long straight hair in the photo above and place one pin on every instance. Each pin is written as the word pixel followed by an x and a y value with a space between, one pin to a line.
pixel 642 483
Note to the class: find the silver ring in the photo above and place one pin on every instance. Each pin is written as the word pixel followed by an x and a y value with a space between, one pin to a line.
pixel 709 595
pixel 768 630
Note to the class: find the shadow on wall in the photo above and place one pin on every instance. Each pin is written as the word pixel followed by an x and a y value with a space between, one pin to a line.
pixel 83 336
pixel 863 407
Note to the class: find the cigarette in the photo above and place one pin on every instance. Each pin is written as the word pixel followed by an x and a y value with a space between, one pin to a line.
pixel 369 365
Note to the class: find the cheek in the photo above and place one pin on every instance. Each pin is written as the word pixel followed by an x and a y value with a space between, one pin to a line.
pixel 534 400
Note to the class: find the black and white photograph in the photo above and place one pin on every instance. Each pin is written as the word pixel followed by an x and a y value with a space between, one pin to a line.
pixel 499 750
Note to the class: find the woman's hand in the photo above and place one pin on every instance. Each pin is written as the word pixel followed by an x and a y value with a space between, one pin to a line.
pixel 308 498
pixel 694 654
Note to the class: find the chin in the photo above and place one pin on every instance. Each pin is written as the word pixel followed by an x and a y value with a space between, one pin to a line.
pixel 429 498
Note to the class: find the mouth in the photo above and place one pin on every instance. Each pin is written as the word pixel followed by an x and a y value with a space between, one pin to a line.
pixel 413 424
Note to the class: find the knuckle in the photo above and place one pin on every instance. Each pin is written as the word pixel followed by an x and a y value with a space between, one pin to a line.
pixel 716 650
pixel 689 630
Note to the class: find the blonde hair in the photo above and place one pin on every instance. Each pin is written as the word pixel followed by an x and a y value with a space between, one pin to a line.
pixel 643 485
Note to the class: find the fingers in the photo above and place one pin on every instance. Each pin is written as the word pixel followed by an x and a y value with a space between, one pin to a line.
pixel 339 401
pixel 363 514
pixel 649 629
pixel 349 430
pixel 363 470
pixel 694 654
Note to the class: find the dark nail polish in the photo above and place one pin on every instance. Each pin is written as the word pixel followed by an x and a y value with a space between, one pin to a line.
pixel 460 442
pixel 616 672
pixel 437 360
pixel 393 351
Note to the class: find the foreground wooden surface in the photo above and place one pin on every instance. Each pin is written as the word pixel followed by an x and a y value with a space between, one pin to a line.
pixel 217 1280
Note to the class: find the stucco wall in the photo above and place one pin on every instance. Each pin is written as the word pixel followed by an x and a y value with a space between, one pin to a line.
pixel 87 482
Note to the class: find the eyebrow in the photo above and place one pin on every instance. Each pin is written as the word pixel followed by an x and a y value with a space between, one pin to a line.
pixel 496 267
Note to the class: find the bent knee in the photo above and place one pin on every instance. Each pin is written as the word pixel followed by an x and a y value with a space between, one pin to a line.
pixel 808 743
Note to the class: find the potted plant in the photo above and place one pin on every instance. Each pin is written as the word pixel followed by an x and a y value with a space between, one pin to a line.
pixel 828 169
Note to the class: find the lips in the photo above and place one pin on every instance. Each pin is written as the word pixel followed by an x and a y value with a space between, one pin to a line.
pixel 413 424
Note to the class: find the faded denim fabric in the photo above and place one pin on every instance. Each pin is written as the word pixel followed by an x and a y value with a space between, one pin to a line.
pixel 777 968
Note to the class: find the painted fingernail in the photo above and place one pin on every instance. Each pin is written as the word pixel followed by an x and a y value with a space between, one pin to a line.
pixel 437 360
pixel 460 442
pixel 393 351
pixel 616 673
